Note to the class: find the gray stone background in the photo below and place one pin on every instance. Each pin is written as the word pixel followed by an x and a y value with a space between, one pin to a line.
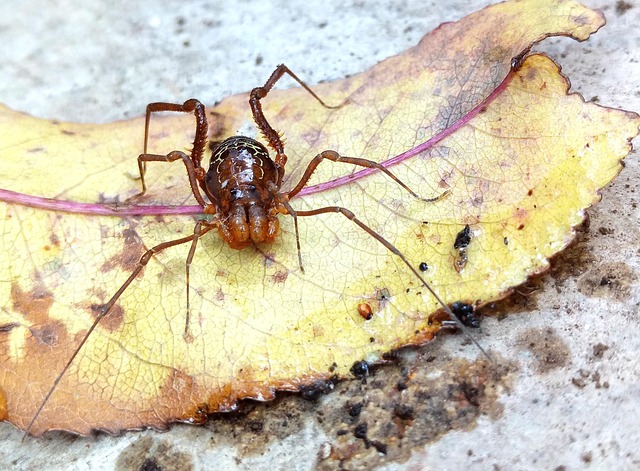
pixel 573 402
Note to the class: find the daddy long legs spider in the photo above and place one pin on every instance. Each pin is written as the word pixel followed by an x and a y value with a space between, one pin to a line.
pixel 243 189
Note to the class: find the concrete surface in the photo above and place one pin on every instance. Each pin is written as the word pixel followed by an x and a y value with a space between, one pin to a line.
pixel 572 397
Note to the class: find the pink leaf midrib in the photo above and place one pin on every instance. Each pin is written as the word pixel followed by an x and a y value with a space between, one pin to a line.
pixel 104 209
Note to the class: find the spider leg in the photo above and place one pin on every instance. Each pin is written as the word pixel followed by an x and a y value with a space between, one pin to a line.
pixel 197 233
pixel 335 157
pixel 195 173
pixel 106 308
pixel 190 106
pixel 392 248
pixel 258 115
pixel 283 198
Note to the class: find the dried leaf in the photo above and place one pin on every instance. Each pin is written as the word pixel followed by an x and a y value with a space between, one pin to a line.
pixel 3 405
pixel 521 158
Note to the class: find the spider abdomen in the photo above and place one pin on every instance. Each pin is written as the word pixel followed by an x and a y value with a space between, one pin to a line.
pixel 237 183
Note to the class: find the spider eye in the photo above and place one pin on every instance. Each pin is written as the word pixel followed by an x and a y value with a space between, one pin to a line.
pixel 252 188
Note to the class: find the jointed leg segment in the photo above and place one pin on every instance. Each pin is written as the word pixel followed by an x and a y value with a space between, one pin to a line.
pixel 392 248
pixel 106 308
pixel 193 161
pixel 258 115
pixel 194 173
pixel 335 157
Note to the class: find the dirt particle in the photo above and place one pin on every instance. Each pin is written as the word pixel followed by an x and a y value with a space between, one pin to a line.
pixel 152 455
pixel 599 349
pixel 579 382
pixel 255 426
pixel 354 410
pixel 622 7
pixel 404 412
pixel 463 238
pixel 608 280
pixel 317 389
pixel 361 430
pixel 547 347
pixel 584 376
pixel 150 464
pixel 360 370
pixel 324 452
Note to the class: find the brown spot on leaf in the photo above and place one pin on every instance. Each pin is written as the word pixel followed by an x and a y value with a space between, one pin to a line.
pixel 280 276
pixel 128 259
pixel 8 327
pixel 547 347
pixel 114 318
pixel 46 334
pixel 269 259
pixel 34 305
pixel 3 405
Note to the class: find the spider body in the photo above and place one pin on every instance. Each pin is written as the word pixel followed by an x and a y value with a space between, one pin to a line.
pixel 240 183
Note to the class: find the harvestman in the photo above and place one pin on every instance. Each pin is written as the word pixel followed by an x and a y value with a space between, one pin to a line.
pixel 243 188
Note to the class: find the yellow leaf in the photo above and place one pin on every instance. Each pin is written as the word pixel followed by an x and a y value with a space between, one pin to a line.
pixel 520 158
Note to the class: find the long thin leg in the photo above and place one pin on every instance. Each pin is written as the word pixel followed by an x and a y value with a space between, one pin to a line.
pixel 202 128
pixel 258 115
pixel 107 308
pixel 283 200
pixel 197 233
pixel 392 248
pixel 335 157
pixel 194 173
